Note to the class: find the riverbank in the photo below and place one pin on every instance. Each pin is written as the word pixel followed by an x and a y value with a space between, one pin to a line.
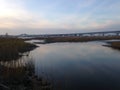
pixel 18 78
pixel 115 44
pixel 77 39
pixel 12 48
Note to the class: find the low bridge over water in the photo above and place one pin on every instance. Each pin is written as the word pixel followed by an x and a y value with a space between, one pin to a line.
pixel 104 33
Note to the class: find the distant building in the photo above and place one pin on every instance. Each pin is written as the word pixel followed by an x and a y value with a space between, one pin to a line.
pixel 6 35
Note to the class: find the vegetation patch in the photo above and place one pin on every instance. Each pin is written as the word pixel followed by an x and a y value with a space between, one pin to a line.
pixel 11 48
pixel 79 39
pixel 22 78
pixel 115 44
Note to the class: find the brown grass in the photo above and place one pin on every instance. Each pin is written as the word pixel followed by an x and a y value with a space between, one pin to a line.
pixel 115 45
pixel 79 39
pixel 11 47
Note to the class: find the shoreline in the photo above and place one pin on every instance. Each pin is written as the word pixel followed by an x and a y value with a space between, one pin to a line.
pixel 21 78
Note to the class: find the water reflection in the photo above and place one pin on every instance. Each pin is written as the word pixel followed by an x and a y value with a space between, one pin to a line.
pixel 75 66
pixel 20 75
pixel 15 74
pixel 21 62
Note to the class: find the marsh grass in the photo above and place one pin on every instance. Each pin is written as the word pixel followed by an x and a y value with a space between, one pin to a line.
pixel 10 48
pixel 115 44
pixel 79 39
pixel 22 78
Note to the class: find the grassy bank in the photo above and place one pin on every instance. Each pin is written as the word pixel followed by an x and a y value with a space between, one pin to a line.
pixel 18 78
pixel 79 39
pixel 115 45
pixel 10 48
pixel 22 78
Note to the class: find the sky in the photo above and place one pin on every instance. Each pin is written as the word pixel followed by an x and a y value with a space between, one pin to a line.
pixel 58 16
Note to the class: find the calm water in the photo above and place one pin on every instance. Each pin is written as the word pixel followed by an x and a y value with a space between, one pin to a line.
pixel 76 66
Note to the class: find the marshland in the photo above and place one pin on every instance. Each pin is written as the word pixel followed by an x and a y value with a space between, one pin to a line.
pixel 59 44
pixel 115 45
pixel 10 48
pixel 20 77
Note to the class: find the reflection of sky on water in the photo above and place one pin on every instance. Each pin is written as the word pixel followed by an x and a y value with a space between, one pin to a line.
pixel 71 65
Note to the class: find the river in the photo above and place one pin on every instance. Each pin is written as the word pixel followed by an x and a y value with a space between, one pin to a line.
pixel 76 66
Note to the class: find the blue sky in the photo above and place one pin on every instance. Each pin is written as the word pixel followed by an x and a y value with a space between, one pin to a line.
pixel 58 16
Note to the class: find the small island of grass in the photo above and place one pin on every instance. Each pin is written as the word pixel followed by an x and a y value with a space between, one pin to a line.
pixel 11 48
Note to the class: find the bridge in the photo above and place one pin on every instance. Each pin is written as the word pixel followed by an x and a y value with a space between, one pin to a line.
pixel 104 33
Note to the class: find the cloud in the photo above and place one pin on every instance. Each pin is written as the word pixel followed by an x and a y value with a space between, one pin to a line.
pixel 78 15
pixel 15 15
pixel 11 9
pixel 11 12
